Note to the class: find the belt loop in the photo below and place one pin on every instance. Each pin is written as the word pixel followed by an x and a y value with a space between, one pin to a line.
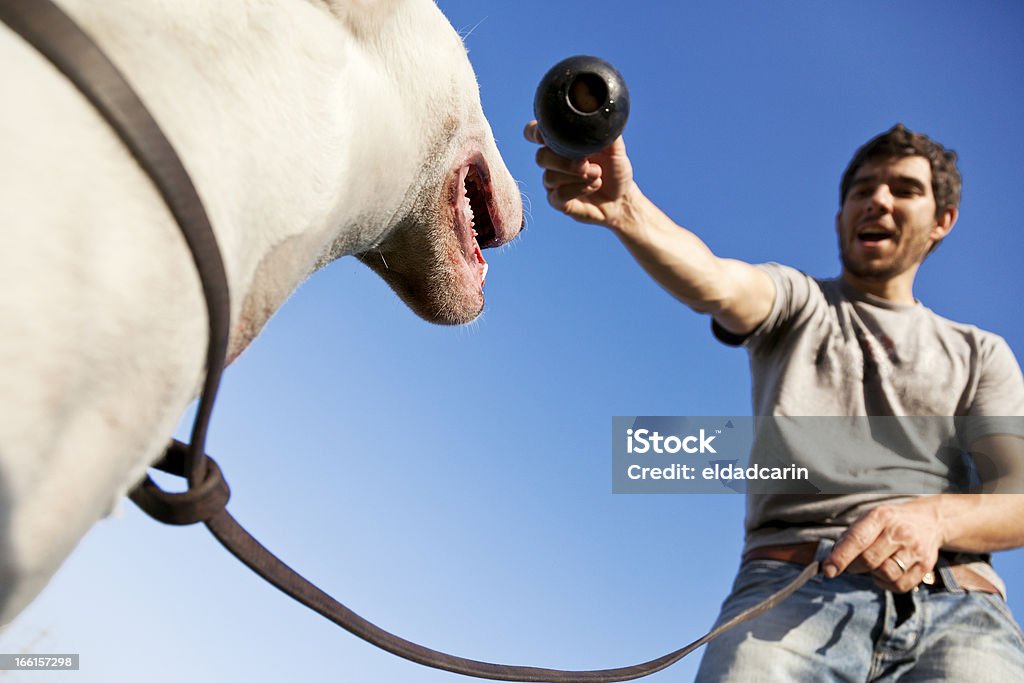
pixel 824 549
pixel 946 574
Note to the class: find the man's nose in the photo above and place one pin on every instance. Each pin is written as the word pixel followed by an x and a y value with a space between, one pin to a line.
pixel 881 198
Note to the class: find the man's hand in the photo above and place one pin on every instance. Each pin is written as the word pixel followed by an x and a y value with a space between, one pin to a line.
pixel 915 531
pixel 591 190
pixel 898 544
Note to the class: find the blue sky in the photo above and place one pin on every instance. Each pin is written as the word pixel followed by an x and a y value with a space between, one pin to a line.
pixel 453 484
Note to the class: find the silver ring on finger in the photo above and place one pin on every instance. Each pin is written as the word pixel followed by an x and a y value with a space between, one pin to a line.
pixel 899 563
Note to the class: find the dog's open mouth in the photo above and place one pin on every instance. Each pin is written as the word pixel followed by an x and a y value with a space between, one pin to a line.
pixel 474 226
pixel 433 258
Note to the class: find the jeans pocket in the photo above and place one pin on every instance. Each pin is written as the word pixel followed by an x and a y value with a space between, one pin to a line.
pixel 999 605
pixel 757 579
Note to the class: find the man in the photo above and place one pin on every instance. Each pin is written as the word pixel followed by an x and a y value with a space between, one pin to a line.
pixel 906 592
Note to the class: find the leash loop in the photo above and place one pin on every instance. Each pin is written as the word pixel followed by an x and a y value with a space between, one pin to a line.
pixel 200 503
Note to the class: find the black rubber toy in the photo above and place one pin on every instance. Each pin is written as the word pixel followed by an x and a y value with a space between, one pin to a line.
pixel 581 106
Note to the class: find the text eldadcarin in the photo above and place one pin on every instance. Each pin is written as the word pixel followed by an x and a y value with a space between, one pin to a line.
pixel 685 455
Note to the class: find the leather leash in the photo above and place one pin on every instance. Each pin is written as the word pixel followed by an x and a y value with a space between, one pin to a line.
pixel 47 28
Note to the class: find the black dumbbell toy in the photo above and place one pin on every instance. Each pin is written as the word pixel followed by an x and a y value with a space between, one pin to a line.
pixel 581 106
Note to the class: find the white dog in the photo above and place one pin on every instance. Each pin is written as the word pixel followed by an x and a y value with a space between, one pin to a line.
pixel 310 129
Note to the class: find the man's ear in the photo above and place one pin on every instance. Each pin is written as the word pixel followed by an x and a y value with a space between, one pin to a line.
pixel 945 223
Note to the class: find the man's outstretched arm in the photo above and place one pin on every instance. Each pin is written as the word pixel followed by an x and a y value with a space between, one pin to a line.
pixel 600 190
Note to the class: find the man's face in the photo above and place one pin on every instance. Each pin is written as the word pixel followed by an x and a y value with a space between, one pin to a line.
pixel 887 223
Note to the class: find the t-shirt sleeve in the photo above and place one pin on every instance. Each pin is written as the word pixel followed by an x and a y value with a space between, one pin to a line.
pixel 792 293
pixel 998 406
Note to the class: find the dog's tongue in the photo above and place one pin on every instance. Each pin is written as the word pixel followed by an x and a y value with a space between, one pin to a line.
pixel 480 259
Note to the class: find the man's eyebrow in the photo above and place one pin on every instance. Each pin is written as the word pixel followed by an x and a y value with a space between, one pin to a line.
pixel 863 179
pixel 909 180
pixel 900 179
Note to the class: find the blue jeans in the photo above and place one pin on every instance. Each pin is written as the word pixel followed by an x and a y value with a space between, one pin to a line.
pixel 848 629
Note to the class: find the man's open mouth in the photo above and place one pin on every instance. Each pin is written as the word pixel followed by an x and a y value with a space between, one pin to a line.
pixel 873 235
pixel 474 227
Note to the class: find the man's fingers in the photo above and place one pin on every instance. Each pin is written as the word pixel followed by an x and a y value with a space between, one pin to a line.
pixel 914 577
pixel 890 570
pixel 560 195
pixel 553 179
pixel 850 545
pixel 890 576
pixel 550 161
pixel 880 553
pixel 882 542
pixel 532 133
pixel 581 211
pixel 857 558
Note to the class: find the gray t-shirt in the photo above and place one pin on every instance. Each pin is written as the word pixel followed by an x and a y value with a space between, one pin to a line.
pixel 827 349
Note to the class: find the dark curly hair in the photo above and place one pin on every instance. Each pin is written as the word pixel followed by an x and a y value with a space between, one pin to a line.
pixel 899 142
